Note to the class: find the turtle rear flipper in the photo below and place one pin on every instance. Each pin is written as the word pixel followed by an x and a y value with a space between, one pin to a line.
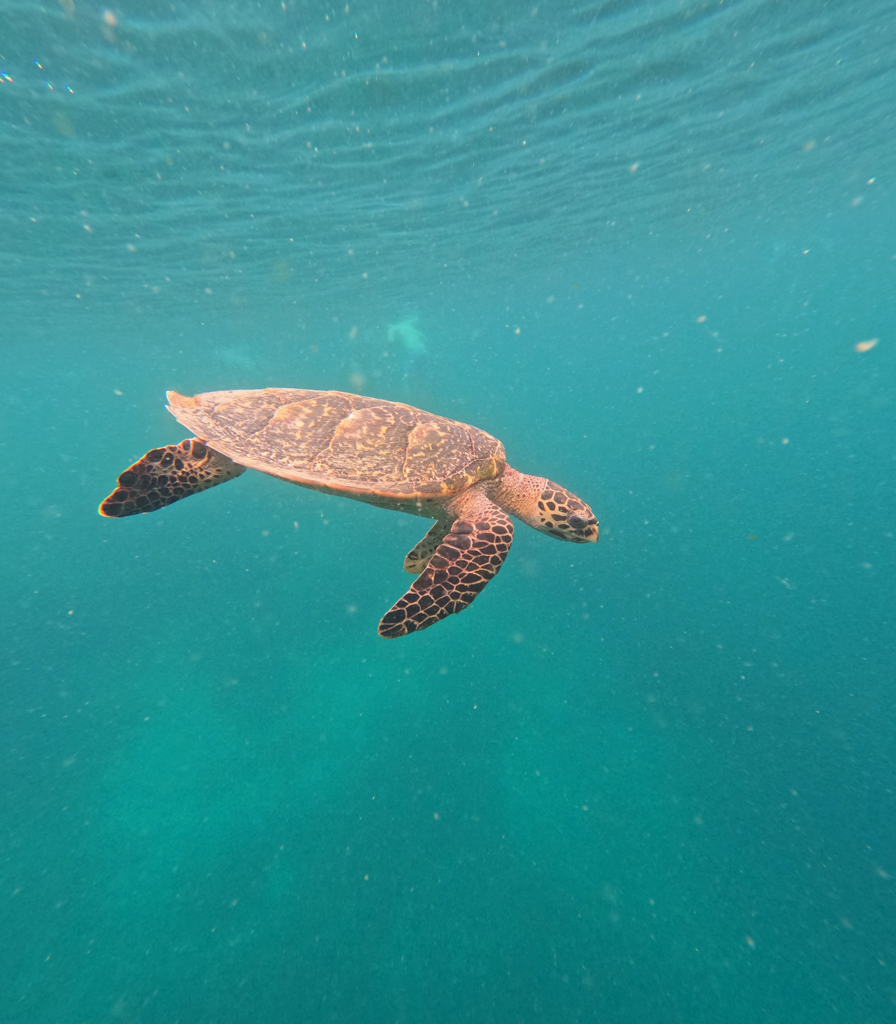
pixel 470 555
pixel 165 475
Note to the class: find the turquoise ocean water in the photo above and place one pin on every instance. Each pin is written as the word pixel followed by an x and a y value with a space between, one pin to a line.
pixel 640 242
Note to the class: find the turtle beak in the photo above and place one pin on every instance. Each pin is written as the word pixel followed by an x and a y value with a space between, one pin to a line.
pixel 587 530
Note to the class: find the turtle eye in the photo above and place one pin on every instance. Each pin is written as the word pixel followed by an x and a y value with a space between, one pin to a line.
pixel 578 522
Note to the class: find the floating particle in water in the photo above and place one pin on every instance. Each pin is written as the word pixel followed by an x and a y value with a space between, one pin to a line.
pixel 408 335
pixel 866 346
pixel 108 26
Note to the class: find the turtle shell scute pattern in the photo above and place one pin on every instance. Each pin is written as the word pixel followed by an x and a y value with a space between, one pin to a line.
pixel 344 443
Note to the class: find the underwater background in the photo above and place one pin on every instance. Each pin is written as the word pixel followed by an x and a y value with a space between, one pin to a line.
pixel 651 246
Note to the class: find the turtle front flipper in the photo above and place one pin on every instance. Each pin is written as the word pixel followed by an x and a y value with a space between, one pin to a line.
pixel 417 559
pixel 165 475
pixel 470 555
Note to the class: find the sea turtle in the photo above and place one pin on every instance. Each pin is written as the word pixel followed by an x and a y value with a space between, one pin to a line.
pixel 384 453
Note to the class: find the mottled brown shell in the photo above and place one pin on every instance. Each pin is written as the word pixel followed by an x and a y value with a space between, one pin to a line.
pixel 342 443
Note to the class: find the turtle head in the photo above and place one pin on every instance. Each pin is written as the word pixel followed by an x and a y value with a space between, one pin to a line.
pixel 546 506
pixel 559 513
